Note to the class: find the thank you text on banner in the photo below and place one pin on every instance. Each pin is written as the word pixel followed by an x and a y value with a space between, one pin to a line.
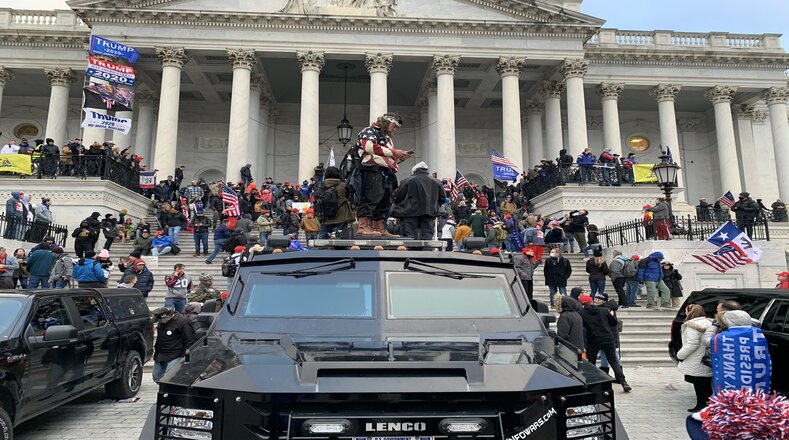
pixel 112 72
pixel 95 119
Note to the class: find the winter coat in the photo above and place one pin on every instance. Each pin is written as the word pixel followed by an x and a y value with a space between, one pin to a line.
pixel 570 324
pixel 10 205
pixel 598 323
pixel 579 221
pixel 462 232
pixel 586 159
pixel 448 232
pixel 310 224
pixel 508 208
pixel 162 241
pixel 173 338
pixel 596 273
pixel 344 212
pixel 745 210
pixel 174 219
pixel 10 264
pixel 659 211
pixel 555 235
pixel 612 307
pixel 649 268
pixel 292 223
pixel 222 232
pixel 43 214
pixel 265 224
pixel 83 237
pixel 245 224
pixel 418 195
pixel 62 269
pixel 533 236
pixel 108 227
pixel 145 279
pixel 617 267
pixel 93 222
pixel 591 238
pixel 40 262
pixel 143 243
pixel 672 277
pixel 490 237
pixel 88 271
pixel 477 224
pixel 694 348
pixel 557 271
pixel 525 266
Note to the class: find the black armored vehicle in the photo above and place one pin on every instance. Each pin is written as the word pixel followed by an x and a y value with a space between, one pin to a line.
pixel 381 345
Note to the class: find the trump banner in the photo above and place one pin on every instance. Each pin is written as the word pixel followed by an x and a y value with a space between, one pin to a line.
pixel 103 46
pixel 16 163
pixel 505 173
pixel 112 72
pixel 96 119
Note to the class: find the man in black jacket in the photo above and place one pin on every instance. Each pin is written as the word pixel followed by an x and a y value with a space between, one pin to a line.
pixel 598 322
pixel 745 211
pixel 174 334
pixel 416 203
pixel 246 174
pixel 94 224
pixel 557 272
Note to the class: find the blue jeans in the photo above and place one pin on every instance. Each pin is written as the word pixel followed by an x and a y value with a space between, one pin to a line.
pixel 165 250
pixel 569 243
pixel 597 286
pixel 217 249
pixel 201 237
pixel 159 368
pixel 552 291
pixel 633 289
pixel 60 283
pixel 173 232
pixel 34 280
pixel 591 247
pixel 604 360
pixel 264 238
pixel 177 304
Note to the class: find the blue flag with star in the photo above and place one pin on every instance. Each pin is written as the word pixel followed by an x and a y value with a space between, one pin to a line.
pixel 727 232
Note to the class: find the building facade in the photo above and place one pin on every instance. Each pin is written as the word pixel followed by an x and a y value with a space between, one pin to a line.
pixel 225 83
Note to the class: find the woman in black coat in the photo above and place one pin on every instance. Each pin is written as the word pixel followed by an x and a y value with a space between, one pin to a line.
pixel 672 279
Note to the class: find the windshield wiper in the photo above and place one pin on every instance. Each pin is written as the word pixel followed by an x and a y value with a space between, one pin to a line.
pixel 439 271
pixel 302 273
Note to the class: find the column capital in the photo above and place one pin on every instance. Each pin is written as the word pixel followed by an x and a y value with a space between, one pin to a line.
pixel 445 64
pixel 378 62
pixel 759 117
pixel 266 100
pixel 776 95
pixel 242 58
pixel 144 96
pixel 744 111
pixel 5 76
pixel 553 89
pixel 665 92
pixel 535 107
pixel 172 56
pixel 720 94
pixel 256 82
pixel 311 60
pixel 610 90
pixel 510 66
pixel 60 76
pixel 574 68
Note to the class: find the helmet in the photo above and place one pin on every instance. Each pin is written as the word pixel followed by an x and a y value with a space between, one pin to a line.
pixel 206 277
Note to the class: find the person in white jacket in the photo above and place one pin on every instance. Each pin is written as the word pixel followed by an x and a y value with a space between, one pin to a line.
pixel 693 350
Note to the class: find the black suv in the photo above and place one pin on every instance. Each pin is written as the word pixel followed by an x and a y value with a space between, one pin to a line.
pixel 769 308
pixel 335 344
pixel 56 345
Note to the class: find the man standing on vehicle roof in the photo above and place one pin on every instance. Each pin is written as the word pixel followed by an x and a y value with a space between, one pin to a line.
pixel 379 163
pixel 174 334
pixel 416 203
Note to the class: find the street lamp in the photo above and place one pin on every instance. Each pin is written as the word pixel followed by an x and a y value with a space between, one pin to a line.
pixel 345 129
pixel 666 172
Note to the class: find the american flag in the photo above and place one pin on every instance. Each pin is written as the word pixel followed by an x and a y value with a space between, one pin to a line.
pixel 727 199
pixel 497 158
pixel 460 180
pixel 729 256
pixel 230 199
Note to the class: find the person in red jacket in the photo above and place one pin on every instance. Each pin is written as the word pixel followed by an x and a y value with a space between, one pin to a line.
pixel 783 280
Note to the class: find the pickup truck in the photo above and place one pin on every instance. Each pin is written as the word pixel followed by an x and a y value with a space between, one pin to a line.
pixel 58 344
pixel 337 344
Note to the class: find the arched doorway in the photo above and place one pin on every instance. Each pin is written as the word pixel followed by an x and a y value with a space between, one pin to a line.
pixel 210 175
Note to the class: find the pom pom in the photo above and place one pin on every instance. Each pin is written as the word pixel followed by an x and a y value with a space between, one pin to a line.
pixel 734 414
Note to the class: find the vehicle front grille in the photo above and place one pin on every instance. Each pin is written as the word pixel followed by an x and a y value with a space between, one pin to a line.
pixel 188 417
pixel 588 416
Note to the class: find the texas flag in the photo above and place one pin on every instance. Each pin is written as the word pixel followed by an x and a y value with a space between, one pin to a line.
pixel 729 233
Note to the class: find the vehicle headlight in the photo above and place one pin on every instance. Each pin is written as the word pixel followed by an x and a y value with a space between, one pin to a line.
pixel 187 423
pixel 461 426
pixel 585 422
pixel 325 427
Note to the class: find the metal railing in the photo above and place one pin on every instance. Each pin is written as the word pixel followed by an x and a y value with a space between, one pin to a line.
pixel 682 228
pixel 103 167
pixel 579 175
pixel 32 232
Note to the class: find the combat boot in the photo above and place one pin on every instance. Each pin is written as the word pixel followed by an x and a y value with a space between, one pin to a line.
pixel 365 230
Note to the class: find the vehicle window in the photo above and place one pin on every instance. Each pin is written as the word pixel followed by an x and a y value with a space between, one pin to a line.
pixel 347 294
pixel 90 312
pixel 416 295
pixel 125 307
pixel 753 305
pixel 9 309
pixel 775 321
pixel 49 312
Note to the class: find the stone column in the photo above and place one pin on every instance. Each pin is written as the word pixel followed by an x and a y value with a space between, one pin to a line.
pixel 536 152
pixel 748 163
pixel 510 69
pixel 666 94
pixel 721 97
pixel 60 78
pixel 5 76
pixel 378 65
pixel 253 157
pixel 238 153
pixel 123 140
pixel 431 150
pixel 445 67
pixel 264 111
pixel 763 145
pixel 573 72
pixel 145 100
pixel 552 94
pixel 776 99
pixel 424 129
pixel 172 60
pixel 612 135
pixel 311 64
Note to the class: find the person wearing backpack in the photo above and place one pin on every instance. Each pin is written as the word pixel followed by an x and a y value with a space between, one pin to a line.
pixel 60 275
pixel 340 222
pixel 620 271
pixel 88 272
pixel 496 235
pixel 650 273
pixel 265 226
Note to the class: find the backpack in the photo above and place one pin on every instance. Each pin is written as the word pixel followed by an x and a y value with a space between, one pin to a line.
pixel 327 201
pixel 350 161
pixel 229 267
pixel 629 269
pixel 501 235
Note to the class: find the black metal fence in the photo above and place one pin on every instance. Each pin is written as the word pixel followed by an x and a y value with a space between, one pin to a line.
pixel 104 167
pixel 683 228
pixel 33 232
pixel 580 175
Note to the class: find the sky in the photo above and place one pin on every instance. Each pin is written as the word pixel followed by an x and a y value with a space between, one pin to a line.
pixel 735 16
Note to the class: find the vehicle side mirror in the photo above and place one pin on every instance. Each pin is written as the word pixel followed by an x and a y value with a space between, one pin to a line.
pixel 547 318
pixel 60 333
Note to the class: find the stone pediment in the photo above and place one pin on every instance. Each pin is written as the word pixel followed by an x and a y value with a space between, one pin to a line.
pixel 513 11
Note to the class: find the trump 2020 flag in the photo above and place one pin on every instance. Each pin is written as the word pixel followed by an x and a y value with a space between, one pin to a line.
pixel 728 232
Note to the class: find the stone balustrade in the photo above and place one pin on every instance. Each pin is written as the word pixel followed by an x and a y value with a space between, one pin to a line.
pixel 616 38
pixel 26 19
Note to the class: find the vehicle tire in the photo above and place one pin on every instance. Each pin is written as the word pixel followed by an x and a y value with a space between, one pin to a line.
pixel 128 385
pixel 6 426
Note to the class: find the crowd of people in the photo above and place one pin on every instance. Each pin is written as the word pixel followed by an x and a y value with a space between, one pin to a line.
pixel 71 158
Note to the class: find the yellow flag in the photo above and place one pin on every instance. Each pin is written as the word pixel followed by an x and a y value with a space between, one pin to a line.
pixel 16 163
pixel 643 173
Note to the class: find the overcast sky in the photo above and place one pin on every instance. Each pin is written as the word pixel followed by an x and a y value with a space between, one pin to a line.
pixel 736 16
